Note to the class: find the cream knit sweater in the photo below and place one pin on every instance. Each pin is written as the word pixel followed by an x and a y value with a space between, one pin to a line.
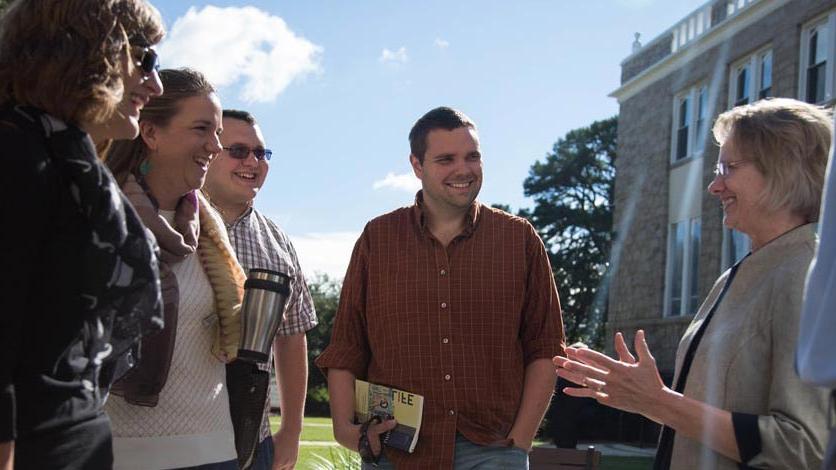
pixel 191 424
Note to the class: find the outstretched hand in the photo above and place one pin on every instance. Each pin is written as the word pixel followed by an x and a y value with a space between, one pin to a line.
pixel 631 383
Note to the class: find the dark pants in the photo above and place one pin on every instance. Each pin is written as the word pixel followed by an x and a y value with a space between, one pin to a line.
pixel 263 459
pixel 470 456
pixel 86 444
pixel 263 455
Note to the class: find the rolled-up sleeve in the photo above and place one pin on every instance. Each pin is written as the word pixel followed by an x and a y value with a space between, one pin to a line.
pixel 794 433
pixel 301 315
pixel 542 324
pixel 349 346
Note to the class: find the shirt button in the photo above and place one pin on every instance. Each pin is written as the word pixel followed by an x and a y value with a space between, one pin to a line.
pixel 445 340
pixel 443 272
pixel 451 412
pixel 447 377
pixel 443 304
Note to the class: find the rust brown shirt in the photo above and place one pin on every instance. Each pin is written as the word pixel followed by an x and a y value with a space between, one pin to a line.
pixel 457 325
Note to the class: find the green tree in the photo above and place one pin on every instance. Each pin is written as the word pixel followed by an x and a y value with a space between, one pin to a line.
pixel 573 212
pixel 326 296
pixel 3 5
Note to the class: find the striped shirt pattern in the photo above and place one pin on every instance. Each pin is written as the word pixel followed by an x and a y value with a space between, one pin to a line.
pixel 456 324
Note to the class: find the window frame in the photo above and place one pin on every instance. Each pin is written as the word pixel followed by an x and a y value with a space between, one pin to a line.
pixel 759 91
pixel 753 63
pixel 695 145
pixel 828 20
pixel 689 275
pixel 728 255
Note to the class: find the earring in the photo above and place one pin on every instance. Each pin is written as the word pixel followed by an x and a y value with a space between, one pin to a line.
pixel 145 167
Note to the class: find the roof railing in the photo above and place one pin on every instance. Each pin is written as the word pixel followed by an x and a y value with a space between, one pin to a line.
pixel 701 21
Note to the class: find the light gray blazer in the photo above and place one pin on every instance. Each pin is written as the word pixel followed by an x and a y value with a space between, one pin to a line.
pixel 744 363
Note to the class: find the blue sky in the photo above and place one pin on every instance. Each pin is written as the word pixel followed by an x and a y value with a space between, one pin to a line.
pixel 336 86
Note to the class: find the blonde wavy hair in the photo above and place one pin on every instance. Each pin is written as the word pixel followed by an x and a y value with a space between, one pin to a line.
pixel 64 56
pixel 788 141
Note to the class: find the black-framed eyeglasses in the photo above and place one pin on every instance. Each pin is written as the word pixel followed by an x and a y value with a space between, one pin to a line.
pixel 146 59
pixel 240 152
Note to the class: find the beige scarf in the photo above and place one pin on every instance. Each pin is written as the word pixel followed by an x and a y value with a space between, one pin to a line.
pixel 197 227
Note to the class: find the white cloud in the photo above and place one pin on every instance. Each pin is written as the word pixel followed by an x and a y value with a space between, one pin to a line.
pixel 326 253
pixel 441 43
pixel 240 44
pixel 405 182
pixel 395 57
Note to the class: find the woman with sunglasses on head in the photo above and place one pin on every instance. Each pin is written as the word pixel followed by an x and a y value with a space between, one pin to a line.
pixel 173 410
pixel 82 284
pixel 736 401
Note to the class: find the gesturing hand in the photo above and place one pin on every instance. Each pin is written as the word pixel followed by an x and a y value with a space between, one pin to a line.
pixel 627 383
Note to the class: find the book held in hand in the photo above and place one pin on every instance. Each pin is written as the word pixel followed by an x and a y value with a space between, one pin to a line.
pixel 386 402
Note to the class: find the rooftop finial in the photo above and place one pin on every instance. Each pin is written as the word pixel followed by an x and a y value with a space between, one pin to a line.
pixel 637 44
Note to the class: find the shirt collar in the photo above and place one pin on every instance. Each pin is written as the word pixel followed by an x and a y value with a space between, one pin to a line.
pixel 242 217
pixel 235 222
pixel 471 219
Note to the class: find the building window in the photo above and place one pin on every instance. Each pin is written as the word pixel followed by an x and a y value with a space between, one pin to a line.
pixel 690 118
pixel 765 88
pixel 683 129
pixel 751 78
pixel 702 118
pixel 683 268
pixel 816 84
pixel 736 245
pixel 742 86
pixel 816 63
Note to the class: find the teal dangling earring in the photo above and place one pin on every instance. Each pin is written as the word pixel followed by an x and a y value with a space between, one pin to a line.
pixel 145 167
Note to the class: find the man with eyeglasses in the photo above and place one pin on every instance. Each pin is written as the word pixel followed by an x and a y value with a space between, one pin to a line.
pixel 232 183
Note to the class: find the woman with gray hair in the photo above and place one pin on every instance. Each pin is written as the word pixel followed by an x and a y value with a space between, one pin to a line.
pixel 736 397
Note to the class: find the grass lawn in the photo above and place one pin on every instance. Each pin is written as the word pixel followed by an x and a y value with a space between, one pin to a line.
pixel 318 439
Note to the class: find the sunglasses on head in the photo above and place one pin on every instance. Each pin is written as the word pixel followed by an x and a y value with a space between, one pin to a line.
pixel 240 152
pixel 146 59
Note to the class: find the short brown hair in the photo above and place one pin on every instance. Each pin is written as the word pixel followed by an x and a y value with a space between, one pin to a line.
pixel 240 115
pixel 125 156
pixel 64 56
pixel 788 141
pixel 438 118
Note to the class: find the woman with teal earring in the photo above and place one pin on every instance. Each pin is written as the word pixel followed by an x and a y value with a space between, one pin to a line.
pixel 173 412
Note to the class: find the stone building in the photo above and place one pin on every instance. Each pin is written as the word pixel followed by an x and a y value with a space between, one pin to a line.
pixel 670 245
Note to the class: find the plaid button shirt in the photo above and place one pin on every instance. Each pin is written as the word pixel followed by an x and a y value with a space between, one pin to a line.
pixel 260 243
pixel 456 324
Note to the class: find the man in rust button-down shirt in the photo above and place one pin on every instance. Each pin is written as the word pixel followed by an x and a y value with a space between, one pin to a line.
pixel 452 300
